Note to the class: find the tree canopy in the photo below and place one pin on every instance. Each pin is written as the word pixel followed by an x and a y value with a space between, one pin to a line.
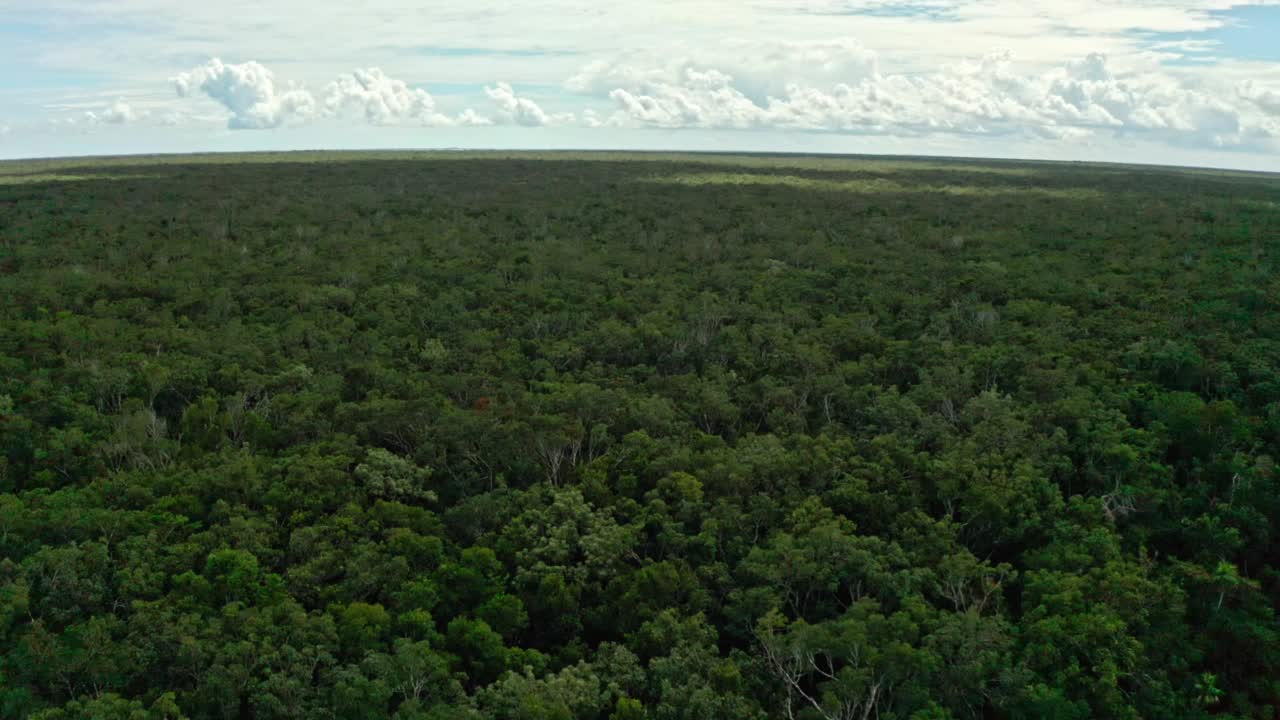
pixel 540 437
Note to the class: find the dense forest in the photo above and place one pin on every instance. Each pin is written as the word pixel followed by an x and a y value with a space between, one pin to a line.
pixel 544 437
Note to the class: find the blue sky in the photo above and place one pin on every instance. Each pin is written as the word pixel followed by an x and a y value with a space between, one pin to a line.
pixel 1246 33
pixel 1160 81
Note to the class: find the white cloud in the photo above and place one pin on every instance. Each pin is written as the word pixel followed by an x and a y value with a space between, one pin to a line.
pixel 172 118
pixel 758 69
pixel 1268 101
pixel 600 77
pixel 470 118
pixel 382 100
pixel 905 76
pixel 701 98
pixel 986 97
pixel 324 36
pixel 521 110
pixel 118 113
pixel 762 69
pixel 248 90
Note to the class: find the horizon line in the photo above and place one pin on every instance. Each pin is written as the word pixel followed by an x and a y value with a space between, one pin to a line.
pixel 626 151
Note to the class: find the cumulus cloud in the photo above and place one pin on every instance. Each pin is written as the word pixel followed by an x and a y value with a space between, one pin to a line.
pixel 382 100
pixel 118 113
pixel 761 70
pixel 758 69
pixel 470 118
pixel 836 86
pixel 521 110
pixel 1268 101
pixel 984 97
pixel 249 92
pixel 599 77
pixel 699 98
pixel 172 118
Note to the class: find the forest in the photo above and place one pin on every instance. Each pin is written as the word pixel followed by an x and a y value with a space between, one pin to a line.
pixel 520 436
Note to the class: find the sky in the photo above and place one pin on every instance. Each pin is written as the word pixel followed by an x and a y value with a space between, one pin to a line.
pixel 1175 82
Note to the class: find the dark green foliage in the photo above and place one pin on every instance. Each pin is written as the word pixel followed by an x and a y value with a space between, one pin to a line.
pixel 637 438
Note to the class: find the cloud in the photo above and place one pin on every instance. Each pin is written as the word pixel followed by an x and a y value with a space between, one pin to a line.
pixel 699 98
pixel 382 100
pixel 118 113
pixel 470 118
pixel 763 69
pixel 172 118
pixel 759 69
pixel 248 90
pixel 600 77
pixel 1268 101
pixel 913 70
pixel 522 111
pixel 988 97
pixel 837 86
